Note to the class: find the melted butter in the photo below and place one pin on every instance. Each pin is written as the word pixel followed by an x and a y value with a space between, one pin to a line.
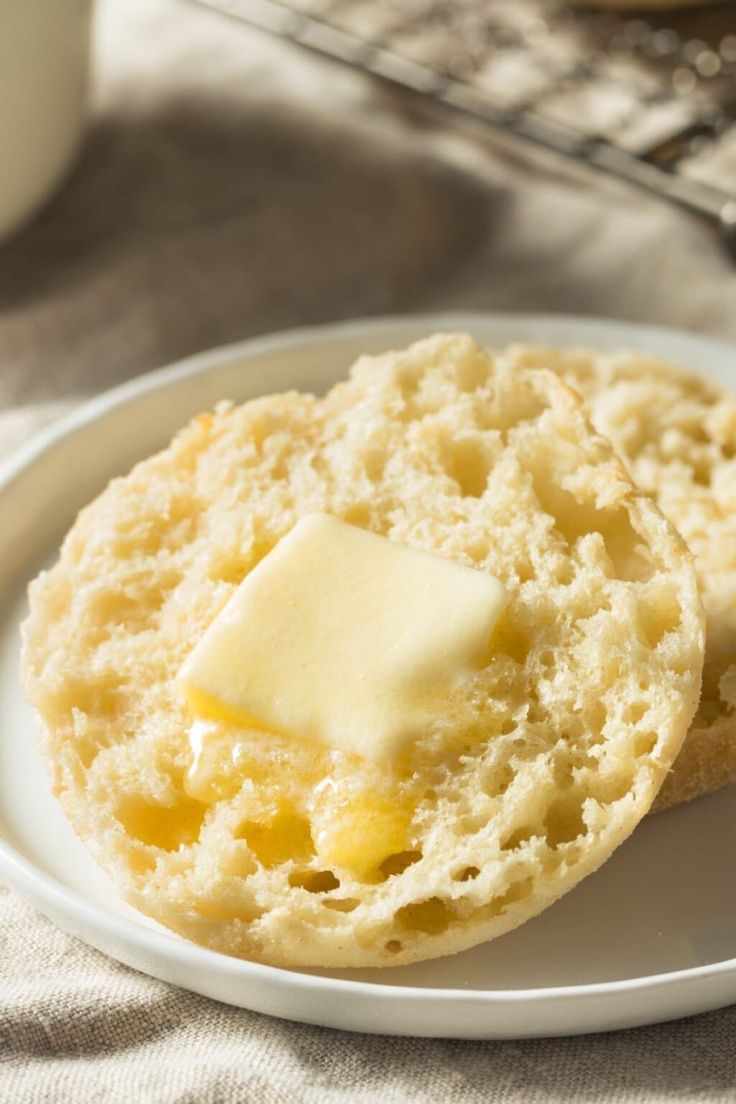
pixel 224 756
pixel 314 687
pixel 356 813
pixel 357 827
pixel 219 762
pixel 197 735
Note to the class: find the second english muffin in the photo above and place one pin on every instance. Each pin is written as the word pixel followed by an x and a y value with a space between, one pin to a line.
pixel 677 435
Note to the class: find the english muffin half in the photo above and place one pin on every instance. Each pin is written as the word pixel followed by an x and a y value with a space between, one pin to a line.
pixel 677 435
pixel 535 766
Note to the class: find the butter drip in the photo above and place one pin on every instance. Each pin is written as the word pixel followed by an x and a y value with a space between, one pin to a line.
pixel 355 824
pixel 312 686
pixel 359 827
pixel 214 772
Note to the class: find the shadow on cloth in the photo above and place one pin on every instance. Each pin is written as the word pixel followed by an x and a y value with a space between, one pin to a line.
pixel 89 1027
pixel 199 223
pixel 690 1059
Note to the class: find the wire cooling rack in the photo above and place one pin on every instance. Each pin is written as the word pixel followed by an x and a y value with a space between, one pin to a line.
pixel 651 100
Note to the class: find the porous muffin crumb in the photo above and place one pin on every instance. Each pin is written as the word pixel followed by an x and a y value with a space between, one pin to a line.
pixel 677 435
pixel 540 763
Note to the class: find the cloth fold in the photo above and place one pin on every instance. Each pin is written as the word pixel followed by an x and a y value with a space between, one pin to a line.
pixel 233 185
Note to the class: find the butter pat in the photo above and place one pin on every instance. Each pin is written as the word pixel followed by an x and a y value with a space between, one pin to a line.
pixel 343 637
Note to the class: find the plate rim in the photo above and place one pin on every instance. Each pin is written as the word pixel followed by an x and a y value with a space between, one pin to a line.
pixel 22 875
pixel 46 891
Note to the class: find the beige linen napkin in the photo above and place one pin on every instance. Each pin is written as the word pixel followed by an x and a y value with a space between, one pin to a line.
pixel 230 186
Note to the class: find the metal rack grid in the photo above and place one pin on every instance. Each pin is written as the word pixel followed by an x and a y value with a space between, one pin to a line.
pixel 650 100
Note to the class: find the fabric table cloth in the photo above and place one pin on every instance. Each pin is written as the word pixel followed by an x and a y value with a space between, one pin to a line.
pixel 232 185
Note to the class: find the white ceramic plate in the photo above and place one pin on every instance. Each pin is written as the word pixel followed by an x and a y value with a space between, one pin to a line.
pixel 651 936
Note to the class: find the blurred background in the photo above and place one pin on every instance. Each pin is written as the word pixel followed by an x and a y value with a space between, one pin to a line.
pixel 231 182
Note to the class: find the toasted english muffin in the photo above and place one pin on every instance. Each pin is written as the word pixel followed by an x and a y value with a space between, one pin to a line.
pixel 540 764
pixel 677 434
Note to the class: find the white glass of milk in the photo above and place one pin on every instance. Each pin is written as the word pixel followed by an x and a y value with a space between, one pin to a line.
pixel 44 62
